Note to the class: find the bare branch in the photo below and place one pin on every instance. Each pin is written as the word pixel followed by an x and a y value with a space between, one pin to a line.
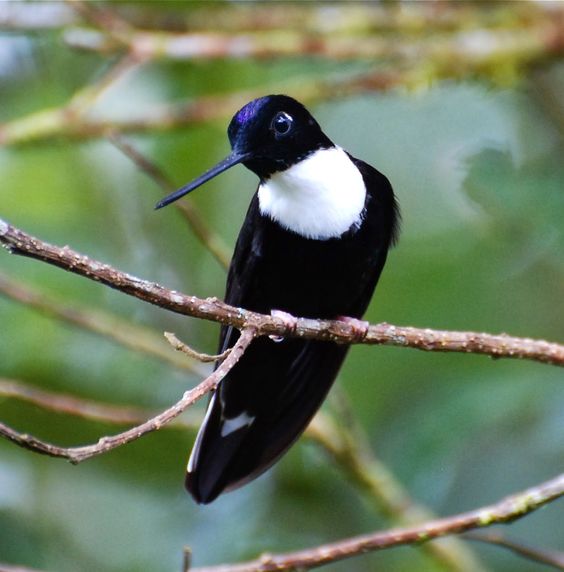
pixel 71 405
pixel 505 511
pixel 77 454
pixel 548 557
pixel 87 408
pixel 19 242
pixel 182 347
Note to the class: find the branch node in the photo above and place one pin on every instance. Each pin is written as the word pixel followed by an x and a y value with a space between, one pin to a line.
pixel 182 347
pixel 289 322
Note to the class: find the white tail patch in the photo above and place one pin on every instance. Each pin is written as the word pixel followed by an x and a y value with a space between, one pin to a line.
pixel 196 447
pixel 231 425
pixel 320 197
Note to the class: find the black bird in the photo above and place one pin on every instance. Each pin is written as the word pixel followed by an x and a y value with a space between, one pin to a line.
pixel 313 244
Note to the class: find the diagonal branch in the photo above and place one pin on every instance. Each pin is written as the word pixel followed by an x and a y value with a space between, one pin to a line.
pixel 548 557
pixel 77 454
pixel 190 352
pixel 18 242
pixel 505 511
pixel 71 405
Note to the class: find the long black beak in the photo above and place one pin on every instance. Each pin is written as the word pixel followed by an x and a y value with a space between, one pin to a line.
pixel 233 159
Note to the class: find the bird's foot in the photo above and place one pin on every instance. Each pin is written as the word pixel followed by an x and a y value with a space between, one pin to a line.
pixel 359 328
pixel 287 319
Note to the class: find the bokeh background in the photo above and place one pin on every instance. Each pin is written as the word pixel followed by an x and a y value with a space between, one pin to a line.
pixel 475 154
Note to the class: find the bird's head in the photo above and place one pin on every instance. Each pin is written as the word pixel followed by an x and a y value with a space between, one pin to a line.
pixel 268 135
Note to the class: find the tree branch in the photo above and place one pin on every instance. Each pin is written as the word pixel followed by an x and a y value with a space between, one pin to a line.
pixel 77 454
pixel 187 350
pixel 19 242
pixel 548 557
pixel 80 407
pixel 505 511
pixel 350 452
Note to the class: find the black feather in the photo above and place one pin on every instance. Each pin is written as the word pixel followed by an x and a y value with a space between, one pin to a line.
pixel 282 384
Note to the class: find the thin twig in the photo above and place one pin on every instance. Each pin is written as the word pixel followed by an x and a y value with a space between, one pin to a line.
pixel 505 511
pixel 357 462
pixel 71 405
pixel 548 557
pixel 77 454
pixel 88 409
pixel 502 345
pixel 208 237
pixel 182 347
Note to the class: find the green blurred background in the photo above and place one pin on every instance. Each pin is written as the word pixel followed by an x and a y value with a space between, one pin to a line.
pixel 479 173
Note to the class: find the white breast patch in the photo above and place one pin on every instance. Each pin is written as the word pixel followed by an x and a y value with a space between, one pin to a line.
pixel 320 197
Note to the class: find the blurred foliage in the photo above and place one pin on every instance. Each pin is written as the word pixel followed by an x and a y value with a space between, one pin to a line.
pixel 480 179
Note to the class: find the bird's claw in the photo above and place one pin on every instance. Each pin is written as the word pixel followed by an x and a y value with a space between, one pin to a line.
pixel 289 321
pixel 359 328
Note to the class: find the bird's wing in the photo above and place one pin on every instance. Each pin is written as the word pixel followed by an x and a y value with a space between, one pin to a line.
pixel 259 411
pixel 267 400
pixel 243 266
pixel 382 224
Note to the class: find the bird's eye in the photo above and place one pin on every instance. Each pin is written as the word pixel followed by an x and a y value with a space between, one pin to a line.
pixel 282 123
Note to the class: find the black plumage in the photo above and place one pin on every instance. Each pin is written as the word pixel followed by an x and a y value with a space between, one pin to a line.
pixel 276 388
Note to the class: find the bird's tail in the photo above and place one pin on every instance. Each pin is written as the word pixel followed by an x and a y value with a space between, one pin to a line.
pixel 258 411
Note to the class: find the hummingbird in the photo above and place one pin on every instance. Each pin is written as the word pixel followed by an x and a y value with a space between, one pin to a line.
pixel 313 244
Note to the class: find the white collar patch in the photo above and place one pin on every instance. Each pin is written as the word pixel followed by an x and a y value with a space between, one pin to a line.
pixel 320 197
